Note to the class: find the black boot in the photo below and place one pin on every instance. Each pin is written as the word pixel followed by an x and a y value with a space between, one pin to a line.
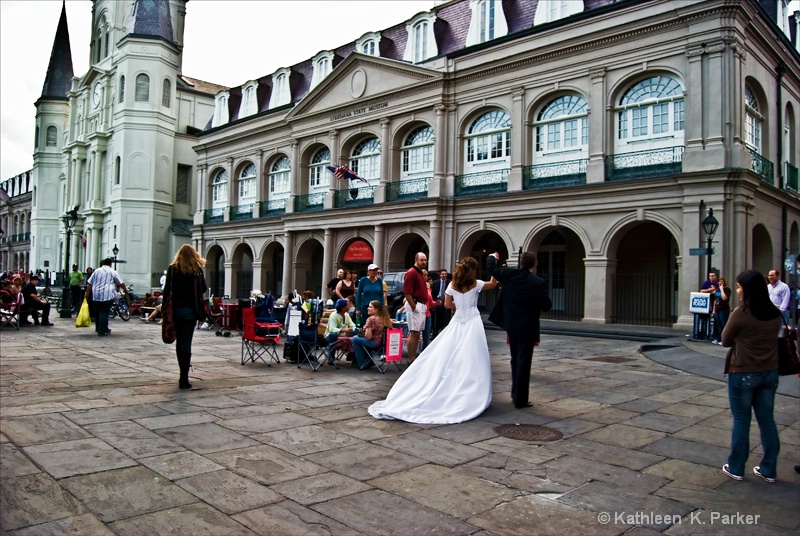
pixel 184 362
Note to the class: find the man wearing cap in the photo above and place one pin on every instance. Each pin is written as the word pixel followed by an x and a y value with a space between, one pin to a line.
pixel 339 323
pixel 102 286
pixel 415 289
pixel 34 302
pixel 75 282
pixel 370 287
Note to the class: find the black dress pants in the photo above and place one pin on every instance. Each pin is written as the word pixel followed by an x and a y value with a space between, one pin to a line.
pixel 521 346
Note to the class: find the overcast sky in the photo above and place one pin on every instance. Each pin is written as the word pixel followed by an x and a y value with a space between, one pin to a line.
pixel 225 42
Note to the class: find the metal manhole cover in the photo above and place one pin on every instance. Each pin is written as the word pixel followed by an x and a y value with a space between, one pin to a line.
pixel 610 359
pixel 528 432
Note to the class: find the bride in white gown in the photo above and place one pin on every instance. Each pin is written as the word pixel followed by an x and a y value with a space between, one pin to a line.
pixel 451 380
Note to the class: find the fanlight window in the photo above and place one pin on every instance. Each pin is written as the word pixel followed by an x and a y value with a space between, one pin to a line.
pixel 318 175
pixel 753 120
pixel 219 189
pixel 489 138
pixel 562 125
pixel 247 184
pixel 418 151
pixel 366 159
pixel 652 109
pixel 280 177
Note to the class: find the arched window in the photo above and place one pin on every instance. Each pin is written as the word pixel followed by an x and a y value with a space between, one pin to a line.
pixel 247 184
pixel 221 114
pixel 366 159
pixel 368 48
pixel 753 121
pixel 369 44
pixel 318 176
pixel 121 89
pixel 562 127
pixel 280 89
pixel 650 114
pixel 489 139
pixel 142 88
pixel 280 177
pixel 418 152
pixel 117 170
pixel 219 189
pixel 52 137
pixel 249 104
pixel 487 22
pixel 166 89
pixel 421 42
pixel 323 63
pixel 552 10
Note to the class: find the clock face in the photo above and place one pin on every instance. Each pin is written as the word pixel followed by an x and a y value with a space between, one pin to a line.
pixel 96 95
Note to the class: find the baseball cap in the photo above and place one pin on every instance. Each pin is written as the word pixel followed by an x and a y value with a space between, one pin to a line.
pixel 372 267
pixel 340 304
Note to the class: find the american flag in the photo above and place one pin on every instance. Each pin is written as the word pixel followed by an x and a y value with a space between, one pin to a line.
pixel 344 172
pixel 83 239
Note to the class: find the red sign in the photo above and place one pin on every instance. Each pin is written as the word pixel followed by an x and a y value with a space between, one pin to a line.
pixel 358 251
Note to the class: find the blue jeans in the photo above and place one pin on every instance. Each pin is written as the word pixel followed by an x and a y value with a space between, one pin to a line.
pixel 720 319
pixel 102 308
pixel 361 347
pixel 753 391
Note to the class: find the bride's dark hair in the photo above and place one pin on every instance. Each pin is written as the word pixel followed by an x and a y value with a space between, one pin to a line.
pixel 464 275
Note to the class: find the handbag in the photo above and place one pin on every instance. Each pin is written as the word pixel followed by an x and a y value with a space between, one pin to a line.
pixel 788 362
pixel 83 320
pixel 167 322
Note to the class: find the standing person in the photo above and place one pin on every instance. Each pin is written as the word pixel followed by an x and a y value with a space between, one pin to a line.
pixel 185 287
pixel 370 287
pixel 441 314
pixel 416 293
pixel 709 286
pixel 346 287
pixel 752 369
pixel 163 281
pixel 89 299
pixel 426 331
pixel 75 281
pixel 333 283
pixel 523 299
pixel 779 293
pixel 374 328
pixel 722 309
pixel 385 287
pixel 102 287
pixel 452 379
pixel 33 301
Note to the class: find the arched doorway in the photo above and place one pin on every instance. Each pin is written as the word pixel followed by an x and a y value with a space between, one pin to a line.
pixel 479 246
pixel 215 268
pixel 559 259
pixel 402 252
pixel 308 267
pixel 272 270
pixel 762 250
pixel 645 284
pixel 242 270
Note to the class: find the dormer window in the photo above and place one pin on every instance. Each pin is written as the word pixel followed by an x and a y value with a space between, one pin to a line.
pixel 421 43
pixel 551 10
pixel 783 17
pixel 369 44
pixel 488 21
pixel 323 64
pixel 249 101
pixel 221 115
pixel 280 89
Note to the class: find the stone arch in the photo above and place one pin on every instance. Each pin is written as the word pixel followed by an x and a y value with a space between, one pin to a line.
pixel 215 255
pixel 308 259
pixel 608 242
pixel 242 258
pixel 271 257
pixel 401 246
pixel 560 254
pixel 763 250
pixel 567 223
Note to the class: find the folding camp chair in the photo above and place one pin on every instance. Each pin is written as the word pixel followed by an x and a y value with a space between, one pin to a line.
pixel 255 346
pixel 10 313
pixel 312 347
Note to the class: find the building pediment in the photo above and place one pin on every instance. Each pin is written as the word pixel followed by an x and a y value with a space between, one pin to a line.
pixel 361 78
pixel 89 78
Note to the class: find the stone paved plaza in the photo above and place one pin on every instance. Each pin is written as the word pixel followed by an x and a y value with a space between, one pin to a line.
pixel 96 439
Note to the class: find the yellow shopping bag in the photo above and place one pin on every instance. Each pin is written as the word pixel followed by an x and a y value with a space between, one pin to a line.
pixel 83 320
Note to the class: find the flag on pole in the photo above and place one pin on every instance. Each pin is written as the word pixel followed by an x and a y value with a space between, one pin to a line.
pixel 83 239
pixel 344 172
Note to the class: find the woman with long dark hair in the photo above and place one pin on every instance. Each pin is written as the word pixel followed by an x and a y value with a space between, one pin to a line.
pixel 752 368
pixel 185 287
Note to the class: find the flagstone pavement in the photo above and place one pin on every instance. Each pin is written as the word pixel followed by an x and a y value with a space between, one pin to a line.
pixel 96 439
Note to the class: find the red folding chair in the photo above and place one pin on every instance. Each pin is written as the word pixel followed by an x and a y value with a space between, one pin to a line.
pixel 258 346
pixel 10 314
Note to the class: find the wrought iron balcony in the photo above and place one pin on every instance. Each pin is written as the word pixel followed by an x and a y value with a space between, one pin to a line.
pixel 405 189
pixel 644 164
pixel 242 212
pixel 272 208
pixel 763 167
pixel 791 177
pixel 354 197
pixel 484 182
pixel 555 175
pixel 214 215
pixel 20 237
pixel 308 202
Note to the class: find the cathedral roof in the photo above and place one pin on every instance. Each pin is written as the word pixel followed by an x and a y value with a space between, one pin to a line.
pixel 58 80
pixel 152 18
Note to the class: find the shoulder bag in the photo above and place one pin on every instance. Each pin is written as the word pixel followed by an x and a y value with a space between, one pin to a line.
pixel 167 321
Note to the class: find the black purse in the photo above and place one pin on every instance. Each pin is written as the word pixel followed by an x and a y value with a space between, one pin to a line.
pixel 788 362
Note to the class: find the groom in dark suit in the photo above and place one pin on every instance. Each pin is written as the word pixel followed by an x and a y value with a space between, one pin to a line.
pixel 523 298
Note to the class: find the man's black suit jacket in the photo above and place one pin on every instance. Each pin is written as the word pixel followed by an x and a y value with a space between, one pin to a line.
pixel 436 287
pixel 522 299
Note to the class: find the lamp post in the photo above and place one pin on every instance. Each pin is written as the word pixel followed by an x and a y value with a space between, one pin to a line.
pixel 115 251
pixel 69 219
pixel 710 225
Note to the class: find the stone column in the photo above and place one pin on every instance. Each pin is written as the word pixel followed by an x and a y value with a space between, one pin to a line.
pixel 202 192
pixel 295 189
pixel 328 262
pixel 379 253
pixel 518 126
pixel 435 250
pixel 95 179
pixel 436 185
pixel 693 107
pixel 288 263
pixel 387 154
pixel 598 299
pixel 94 248
pixel 233 197
pixel 598 131
pixel 259 184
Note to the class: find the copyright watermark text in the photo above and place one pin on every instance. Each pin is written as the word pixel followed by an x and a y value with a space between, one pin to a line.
pixel 695 518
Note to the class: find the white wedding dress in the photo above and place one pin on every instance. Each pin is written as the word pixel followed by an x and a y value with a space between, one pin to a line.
pixel 451 380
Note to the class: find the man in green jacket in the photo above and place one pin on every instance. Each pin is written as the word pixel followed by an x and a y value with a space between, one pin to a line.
pixel 75 281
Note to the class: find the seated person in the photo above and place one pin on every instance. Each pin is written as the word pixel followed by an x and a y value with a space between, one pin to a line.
pixel 34 303
pixel 150 300
pixel 339 322
pixel 156 311
pixel 352 308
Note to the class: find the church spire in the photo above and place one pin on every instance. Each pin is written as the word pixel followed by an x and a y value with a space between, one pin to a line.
pixel 58 80
pixel 152 18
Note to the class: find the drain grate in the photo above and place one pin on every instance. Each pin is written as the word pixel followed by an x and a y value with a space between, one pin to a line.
pixel 528 432
pixel 610 359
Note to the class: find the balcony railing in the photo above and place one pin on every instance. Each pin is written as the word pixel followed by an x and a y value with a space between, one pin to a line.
pixel 763 167
pixel 555 175
pixel 214 215
pixel 272 208
pixel 406 189
pixel 20 237
pixel 644 164
pixel 791 177
pixel 354 197
pixel 308 202
pixel 242 212
pixel 484 182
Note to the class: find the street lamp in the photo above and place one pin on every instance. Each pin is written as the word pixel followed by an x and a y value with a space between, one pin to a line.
pixel 115 251
pixel 69 218
pixel 710 225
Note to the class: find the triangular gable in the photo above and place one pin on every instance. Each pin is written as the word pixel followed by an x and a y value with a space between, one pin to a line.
pixel 91 75
pixel 362 78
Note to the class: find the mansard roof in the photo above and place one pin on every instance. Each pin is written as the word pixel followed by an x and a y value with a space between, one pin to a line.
pixel 58 80
pixel 152 18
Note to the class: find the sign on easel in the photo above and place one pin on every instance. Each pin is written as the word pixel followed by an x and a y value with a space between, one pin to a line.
pixel 293 317
pixel 394 344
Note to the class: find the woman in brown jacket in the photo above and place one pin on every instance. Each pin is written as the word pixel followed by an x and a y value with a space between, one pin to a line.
pixel 751 331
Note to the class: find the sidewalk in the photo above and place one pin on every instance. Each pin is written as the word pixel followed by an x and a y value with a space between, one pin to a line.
pixel 95 438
